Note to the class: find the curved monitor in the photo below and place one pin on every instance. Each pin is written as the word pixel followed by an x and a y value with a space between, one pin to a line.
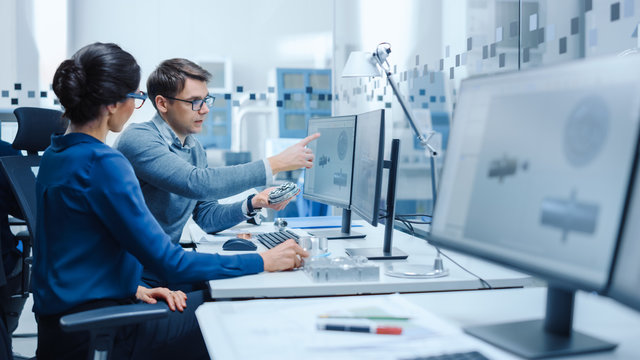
pixel 538 168
pixel 329 180
pixel 368 161
pixel 625 282
pixel 536 178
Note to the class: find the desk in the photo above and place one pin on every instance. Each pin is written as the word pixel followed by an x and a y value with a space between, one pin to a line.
pixel 298 284
pixel 593 315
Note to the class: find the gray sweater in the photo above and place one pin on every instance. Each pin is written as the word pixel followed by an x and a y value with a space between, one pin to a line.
pixel 176 181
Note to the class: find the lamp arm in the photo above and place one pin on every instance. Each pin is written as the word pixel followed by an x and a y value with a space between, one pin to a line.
pixel 430 151
pixel 407 113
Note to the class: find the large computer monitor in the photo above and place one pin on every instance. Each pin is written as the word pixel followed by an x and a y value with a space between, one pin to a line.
pixel 329 180
pixel 368 163
pixel 536 178
pixel 625 281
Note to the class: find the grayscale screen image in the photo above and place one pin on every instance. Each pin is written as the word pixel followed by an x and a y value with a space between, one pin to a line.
pixel 538 168
pixel 329 181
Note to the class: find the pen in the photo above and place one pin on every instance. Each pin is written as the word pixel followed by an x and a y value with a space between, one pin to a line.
pixel 373 317
pixel 385 330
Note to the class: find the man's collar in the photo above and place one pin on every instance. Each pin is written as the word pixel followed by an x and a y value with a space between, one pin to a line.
pixel 169 135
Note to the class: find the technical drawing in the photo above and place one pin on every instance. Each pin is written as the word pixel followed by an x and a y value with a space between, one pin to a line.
pixel 569 215
pixel 586 131
pixel 343 145
pixel 504 167
pixel 340 179
pixel 323 160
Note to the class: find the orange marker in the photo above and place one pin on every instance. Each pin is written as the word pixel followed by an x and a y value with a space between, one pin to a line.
pixel 384 330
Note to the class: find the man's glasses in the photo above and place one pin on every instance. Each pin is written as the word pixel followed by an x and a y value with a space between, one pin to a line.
pixel 138 97
pixel 196 105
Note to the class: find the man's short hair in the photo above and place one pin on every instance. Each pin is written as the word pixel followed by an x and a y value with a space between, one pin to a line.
pixel 169 77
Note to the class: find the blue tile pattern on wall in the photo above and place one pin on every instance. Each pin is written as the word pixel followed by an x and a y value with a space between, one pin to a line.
pixel 615 11
pixel 563 45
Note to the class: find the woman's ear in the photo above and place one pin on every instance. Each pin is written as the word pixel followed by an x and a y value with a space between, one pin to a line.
pixel 111 108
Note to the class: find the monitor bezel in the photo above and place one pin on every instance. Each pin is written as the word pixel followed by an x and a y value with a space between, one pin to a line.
pixel 370 218
pixel 611 290
pixel 550 276
pixel 321 199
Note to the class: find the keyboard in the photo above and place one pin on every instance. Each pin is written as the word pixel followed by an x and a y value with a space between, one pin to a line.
pixel 272 239
pixel 471 355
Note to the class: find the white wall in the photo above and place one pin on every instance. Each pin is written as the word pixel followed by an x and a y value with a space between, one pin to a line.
pixel 257 35
pixel 19 59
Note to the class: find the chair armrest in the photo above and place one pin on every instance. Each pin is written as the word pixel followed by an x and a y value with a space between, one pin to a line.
pixel 189 245
pixel 16 222
pixel 24 236
pixel 113 316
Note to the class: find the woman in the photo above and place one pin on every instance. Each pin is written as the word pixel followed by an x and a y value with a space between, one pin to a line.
pixel 94 229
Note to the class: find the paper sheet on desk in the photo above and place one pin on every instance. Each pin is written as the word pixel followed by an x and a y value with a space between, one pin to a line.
pixel 199 236
pixel 262 330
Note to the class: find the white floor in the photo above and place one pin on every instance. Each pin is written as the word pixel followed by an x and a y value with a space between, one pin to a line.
pixel 26 346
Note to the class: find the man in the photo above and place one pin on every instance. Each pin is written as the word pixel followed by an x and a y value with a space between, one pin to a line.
pixel 172 166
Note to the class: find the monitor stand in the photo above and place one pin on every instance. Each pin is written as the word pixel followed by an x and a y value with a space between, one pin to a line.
pixel 344 233
pixel 387 252
pixel 550 337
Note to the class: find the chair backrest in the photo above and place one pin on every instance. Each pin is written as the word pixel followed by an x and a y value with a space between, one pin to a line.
pixel 21 173
pixel 35 127
pixel 19 170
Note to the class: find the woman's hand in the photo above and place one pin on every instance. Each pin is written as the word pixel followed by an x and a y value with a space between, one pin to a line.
pixel 285 256
pixel 175 299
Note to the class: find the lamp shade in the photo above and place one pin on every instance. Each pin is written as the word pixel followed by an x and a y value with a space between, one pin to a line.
pixel 360 64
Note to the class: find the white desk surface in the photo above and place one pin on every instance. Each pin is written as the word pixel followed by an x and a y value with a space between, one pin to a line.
pixel 594 315
pixel 298 284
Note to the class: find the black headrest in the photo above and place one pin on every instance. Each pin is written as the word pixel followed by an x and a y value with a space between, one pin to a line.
pixel 35 127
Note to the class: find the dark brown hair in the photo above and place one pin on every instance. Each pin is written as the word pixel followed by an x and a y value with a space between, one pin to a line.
pixel 98 74
pixel 169 77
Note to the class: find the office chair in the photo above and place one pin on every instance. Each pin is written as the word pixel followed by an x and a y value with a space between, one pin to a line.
pixel 35 127
pixel 102 323
pixel 5 339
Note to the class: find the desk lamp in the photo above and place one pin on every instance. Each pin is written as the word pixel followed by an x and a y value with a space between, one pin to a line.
pixel 366 64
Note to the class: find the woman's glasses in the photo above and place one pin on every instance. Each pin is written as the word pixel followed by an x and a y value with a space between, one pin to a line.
pixel 138 97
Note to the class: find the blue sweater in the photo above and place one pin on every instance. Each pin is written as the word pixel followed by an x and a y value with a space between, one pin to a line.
pixel 94 231
pixel 177 183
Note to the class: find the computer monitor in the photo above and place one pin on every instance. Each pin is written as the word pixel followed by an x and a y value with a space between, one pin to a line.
pixel 625 281
pixel 368 163
pixel 329 180
pixel 536 178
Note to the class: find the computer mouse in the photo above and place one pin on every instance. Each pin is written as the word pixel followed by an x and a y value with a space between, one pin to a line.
pixel 239 245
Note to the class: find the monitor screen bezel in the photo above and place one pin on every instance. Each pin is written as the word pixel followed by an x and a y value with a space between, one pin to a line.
pixel 368 217
pixel 633 193
pixel 551 276
pixel 321 199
